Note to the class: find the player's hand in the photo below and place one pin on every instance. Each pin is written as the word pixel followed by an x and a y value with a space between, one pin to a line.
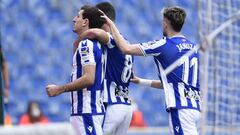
pixel 108 20
pixel 135 79
pixel 53 90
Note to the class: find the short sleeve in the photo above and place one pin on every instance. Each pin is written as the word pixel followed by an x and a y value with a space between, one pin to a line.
pixel 111 42
pixel 86 52
pixel 152 48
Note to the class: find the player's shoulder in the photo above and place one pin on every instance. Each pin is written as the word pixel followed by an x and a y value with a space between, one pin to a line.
pixel 89 43
pixel 111 43
pixel 191 42
pixel 156 43
pixel 162 41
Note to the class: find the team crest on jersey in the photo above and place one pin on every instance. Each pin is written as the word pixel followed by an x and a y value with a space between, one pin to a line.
pixel 85 50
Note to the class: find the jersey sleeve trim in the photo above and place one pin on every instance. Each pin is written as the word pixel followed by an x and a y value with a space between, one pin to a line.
pixel 152 48
pixel 142 50
pixel 111 43
pixel 89 63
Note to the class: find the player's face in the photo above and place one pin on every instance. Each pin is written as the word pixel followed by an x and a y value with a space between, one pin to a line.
pixel 79 23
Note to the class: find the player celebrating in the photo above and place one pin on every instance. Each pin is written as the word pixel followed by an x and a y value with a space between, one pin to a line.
pixel 87 110
pixel 181 86
pixel 117 78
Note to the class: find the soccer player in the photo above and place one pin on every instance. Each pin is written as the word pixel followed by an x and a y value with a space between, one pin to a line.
pixel 118 73
pixel 181 86
pixel 87 110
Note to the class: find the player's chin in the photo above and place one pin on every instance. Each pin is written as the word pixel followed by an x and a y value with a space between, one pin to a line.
pixel 74 30
pixel 51 95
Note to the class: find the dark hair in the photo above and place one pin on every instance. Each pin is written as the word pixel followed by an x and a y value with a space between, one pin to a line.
pixel 94 16
pixel 108 9
pixel 176 16
pixel 85 7
pixel 29 109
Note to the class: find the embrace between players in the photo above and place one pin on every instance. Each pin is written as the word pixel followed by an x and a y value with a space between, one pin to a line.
pixel 102 70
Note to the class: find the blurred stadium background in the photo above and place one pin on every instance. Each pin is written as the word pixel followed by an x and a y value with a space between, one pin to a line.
pixel 37 37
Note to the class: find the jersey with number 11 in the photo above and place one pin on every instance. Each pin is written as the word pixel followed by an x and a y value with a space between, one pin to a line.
pixel 181 86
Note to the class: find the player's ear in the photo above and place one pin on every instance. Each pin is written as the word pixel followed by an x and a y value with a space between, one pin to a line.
pixel 85 22
pixel 164 23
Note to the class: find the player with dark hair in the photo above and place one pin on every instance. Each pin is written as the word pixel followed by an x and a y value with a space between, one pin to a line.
pixel 108 9
pixel 181 86
pixel 117 78
pixel 87 110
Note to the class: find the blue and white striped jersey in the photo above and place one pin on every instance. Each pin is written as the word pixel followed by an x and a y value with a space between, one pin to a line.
pixel 181 86
pixel 118 74
pixel 88 100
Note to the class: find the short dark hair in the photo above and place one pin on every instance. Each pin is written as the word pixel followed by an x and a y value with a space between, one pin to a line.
pixel 176 16
pixel 94 16
pixel 85 7
pixel 108 9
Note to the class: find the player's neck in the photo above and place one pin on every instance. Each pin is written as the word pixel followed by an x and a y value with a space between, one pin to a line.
pixel 173 34
pixel 82 30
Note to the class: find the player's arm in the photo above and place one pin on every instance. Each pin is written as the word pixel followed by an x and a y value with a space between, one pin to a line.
pixel 122 44
pixel 5 74
pixel 86 80
pixel 146 82
pixel 96 33
pixel 89 68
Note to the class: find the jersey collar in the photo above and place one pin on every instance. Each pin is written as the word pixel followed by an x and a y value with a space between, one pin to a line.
pixel 177 36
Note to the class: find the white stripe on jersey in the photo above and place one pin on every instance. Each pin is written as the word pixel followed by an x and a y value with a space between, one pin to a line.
pixel 113 98
pixel 98 104
pixel 74 93
pixel 168 88
pixel 121 98
pixel 104 67
pixel 86 101
pixel 194 103
pixel 105 91
pixel 182 95
pixel 75 104
pixel 172 98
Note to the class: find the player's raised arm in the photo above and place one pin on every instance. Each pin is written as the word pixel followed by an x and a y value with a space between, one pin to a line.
pixel 145 82
pixel 96 33
pixel 122 44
